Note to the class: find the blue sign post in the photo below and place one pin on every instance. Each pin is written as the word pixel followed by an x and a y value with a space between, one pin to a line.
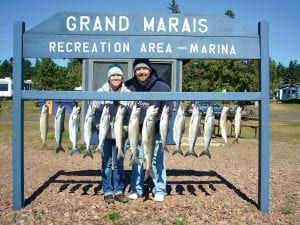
pixel 172 36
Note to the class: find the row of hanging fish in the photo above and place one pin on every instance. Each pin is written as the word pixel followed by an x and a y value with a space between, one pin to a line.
pixel 88 129
pixel 148 130
pixel 194 129
pixel 59 127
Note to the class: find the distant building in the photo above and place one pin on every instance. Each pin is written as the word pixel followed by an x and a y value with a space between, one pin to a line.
pixel 6 87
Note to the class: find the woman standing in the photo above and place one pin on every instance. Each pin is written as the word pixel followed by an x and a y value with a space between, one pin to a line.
pixel 112 178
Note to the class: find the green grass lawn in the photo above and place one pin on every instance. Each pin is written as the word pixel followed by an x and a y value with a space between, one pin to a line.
pixel 283 131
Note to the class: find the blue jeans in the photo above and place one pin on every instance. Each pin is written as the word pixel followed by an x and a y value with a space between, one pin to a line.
pixel 159 169
pixel 112 180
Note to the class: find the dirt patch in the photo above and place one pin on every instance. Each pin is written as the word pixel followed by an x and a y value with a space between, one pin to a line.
pixel 64 189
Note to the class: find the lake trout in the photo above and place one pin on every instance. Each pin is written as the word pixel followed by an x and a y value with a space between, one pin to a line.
pixel 178 129
pixel 148 139
pixel 119 130
pixel 237 123
pixel 223 124
pixel 103 128
pixel 208 131
pixel 194 131
pixel 134 133
pixel 59 127
pixel 164 127
pixel 74 123
pixel 88 130
pixel 44 117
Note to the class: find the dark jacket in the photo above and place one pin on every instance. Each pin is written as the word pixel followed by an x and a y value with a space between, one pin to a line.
pixel 155 84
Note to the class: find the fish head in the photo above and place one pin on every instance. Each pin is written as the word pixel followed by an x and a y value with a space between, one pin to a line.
pixel 105 109
pixel 77 111
pixel 45 109
pixel 210 110
pixel 180 111
pixel 225 109
pixel 136 109
pixel 121 110
pixel 91 111
pixel 152 111
pixel 195 109
pixel 166 109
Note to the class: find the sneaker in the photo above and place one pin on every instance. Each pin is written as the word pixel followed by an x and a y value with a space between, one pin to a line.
pixel 109 199
pixel 133 196
pixel 121 198
pixel 159 198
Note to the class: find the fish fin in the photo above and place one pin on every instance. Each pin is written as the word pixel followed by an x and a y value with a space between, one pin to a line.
pixel 177 151
pixel 192 153
pixel 60 149
pixel 205 153
pixel 88 153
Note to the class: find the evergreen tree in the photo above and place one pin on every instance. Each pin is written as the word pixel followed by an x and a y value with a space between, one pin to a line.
pixel 230 14
pixel 49 76
pixel 173 7
pixel 74 75
pixel 6 68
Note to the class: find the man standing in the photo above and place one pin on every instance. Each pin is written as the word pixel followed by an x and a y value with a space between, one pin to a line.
pixel 146 80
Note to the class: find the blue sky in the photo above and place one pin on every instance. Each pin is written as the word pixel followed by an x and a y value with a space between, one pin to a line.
pixel 283 17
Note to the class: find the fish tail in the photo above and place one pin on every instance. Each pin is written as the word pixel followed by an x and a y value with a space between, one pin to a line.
pixel 165 148
pixel 205 153
pixel 60 149
pixel 236 140
pixel 120 155
pixel 192 153
pixel 177 151
pixel 148 173
pixel 88 153
pixel 44 146
pixel 99 149
pixel 135 161
pixel 227 144
pixel 74 151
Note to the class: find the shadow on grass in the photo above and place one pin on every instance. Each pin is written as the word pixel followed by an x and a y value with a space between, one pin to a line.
pixel 191 186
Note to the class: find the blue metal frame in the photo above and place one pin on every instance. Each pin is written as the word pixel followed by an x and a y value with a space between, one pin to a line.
pixel 21 46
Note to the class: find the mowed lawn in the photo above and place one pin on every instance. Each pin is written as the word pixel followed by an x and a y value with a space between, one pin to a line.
pixel 284 123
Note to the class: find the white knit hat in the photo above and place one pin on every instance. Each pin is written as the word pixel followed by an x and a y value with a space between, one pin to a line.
pixel 115 69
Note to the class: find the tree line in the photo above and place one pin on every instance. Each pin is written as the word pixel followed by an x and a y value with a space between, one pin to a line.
pixel 46 74
pixel 198 75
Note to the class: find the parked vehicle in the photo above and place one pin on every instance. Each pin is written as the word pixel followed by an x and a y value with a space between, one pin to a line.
pixel 203 106
pixel 6 87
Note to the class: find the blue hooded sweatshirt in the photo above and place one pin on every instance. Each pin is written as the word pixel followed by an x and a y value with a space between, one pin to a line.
pixel 155 84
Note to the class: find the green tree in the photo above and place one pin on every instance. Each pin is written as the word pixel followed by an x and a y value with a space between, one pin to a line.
pixel 6 68
pixel 173 7
pixel 49 76
pixel 230 14
pixel 217 75
pixel 74 74
pixel 28 69
pixel 293 72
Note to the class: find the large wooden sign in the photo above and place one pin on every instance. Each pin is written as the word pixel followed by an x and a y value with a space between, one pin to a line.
pixel 90 35
pixel 172 36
